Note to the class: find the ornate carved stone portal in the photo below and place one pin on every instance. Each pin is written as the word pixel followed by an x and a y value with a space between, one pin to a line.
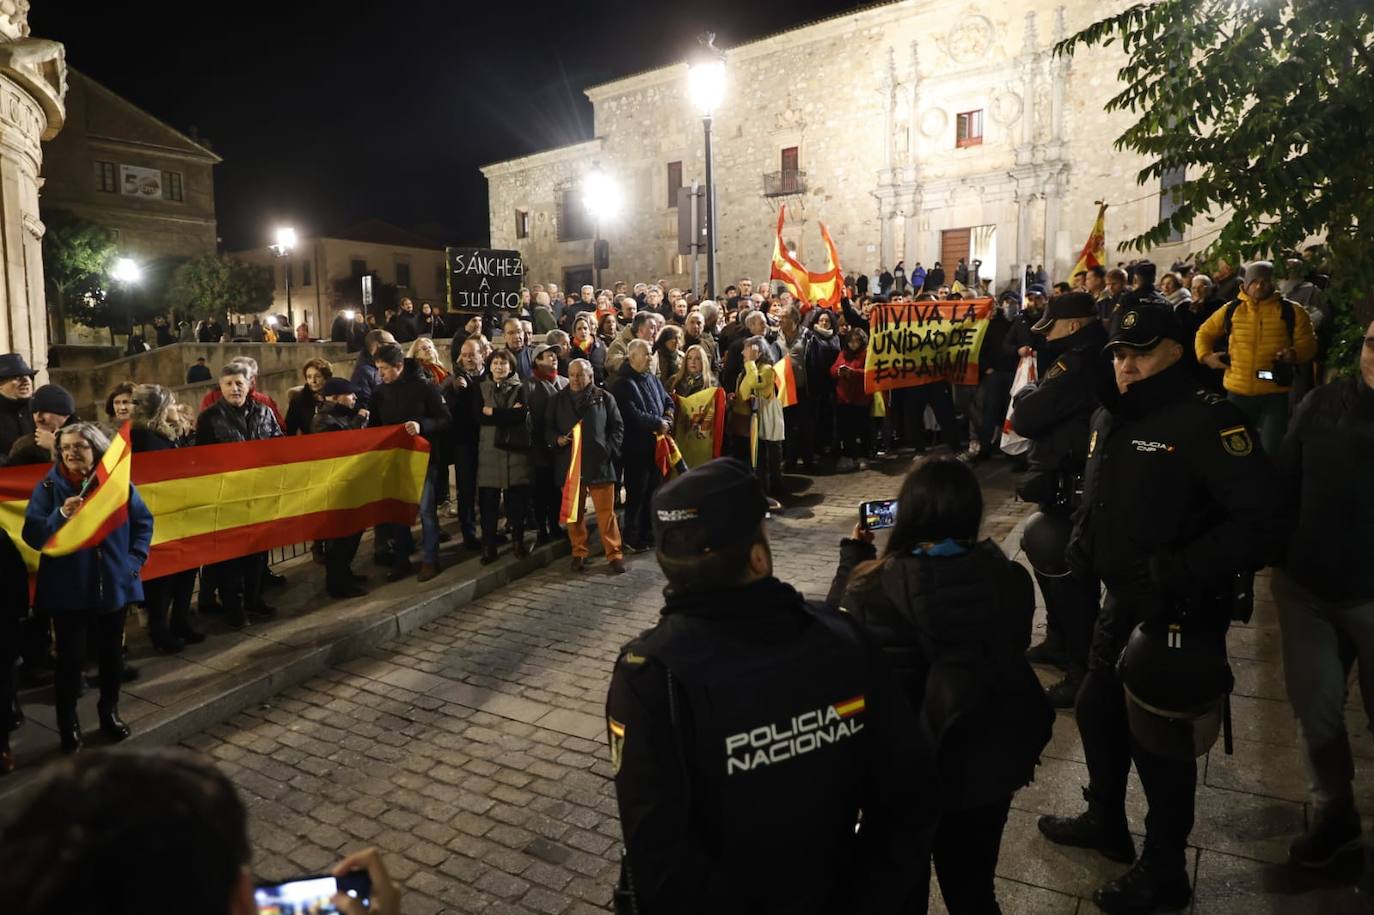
pixel 33 83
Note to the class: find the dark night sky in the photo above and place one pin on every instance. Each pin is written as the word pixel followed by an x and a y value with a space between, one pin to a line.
pixel 330 113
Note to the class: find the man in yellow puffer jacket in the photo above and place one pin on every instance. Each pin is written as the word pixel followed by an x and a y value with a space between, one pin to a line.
pixel 1263 352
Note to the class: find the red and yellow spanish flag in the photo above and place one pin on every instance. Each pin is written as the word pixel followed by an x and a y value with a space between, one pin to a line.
pixel 667 457
pixel 699 428
pixel 106 504
pixel 216 502
pixel 1095 249
pixel 570 508
pixel 785 381
pixel 786 268
pixel 827 288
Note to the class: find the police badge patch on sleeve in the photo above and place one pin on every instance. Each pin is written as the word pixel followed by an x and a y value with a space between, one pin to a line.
pixel 1236 440
pixel 615 732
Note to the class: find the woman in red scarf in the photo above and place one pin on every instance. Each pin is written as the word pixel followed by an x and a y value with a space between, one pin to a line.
pixel 424 352
pixel 587 345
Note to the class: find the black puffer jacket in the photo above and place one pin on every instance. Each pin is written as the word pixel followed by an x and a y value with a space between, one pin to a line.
pixel 411 398
pixel 335 417
pixel 1325 460
pixel 956 629
pixel 16 421
pixel 223 422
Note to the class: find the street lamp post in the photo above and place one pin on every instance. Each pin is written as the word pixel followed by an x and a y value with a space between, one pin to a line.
pixel 706 86
pixel 127 273
pixel 602 198
pixel 286 240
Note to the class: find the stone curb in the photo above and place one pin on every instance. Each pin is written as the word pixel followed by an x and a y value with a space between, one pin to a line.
pixel 261 681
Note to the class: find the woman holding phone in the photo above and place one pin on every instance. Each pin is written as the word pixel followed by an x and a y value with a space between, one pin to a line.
pixel 953 614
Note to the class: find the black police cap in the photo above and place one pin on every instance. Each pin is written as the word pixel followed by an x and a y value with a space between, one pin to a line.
pixel 1068 306
pixel 712 506
pixel 1143 326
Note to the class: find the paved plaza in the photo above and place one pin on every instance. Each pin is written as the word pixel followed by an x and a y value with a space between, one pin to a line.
pixel 472 751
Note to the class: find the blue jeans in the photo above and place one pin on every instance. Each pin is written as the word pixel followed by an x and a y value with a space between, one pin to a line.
pixel 403 542
pixel 1268 413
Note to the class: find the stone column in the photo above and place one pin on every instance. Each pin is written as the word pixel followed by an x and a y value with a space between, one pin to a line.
pixel 33 82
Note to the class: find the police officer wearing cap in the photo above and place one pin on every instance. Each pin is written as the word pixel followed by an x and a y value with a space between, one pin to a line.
pixel 751 730
pixel 1177 503
pixel 1055 415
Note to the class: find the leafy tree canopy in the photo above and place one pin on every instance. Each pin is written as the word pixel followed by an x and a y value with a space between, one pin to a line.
pixel 78 256
pixel 216 284
pixel 1268 106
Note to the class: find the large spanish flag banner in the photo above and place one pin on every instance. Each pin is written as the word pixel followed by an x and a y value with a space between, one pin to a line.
pixel 106 504
pixel 216 502
pixel 1094 252
pixel 914 343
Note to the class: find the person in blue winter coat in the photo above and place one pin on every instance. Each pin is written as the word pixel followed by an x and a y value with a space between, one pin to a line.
pixel 90 590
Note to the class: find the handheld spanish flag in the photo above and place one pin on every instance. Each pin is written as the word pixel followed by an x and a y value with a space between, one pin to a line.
pixel 667 457
pixel 570 509
pixel 106 505
pixel 827 287
pixel 785 381
pixel 786 268
pixel 1094 252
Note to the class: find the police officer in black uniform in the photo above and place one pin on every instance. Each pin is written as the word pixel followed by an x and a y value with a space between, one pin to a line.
pixel 1055 415
pixel 751 730
pixel 1178 501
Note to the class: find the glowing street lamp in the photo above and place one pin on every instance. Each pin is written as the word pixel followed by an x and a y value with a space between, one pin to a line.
pixel 706 89
pixel 286 241
pixel 127 271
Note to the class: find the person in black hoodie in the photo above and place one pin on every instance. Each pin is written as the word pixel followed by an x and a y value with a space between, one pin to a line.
pixel 339 413
pixel 408 397
pixel 463 396
pixel 997 368
pixel 953 616
pixel 159 423
pixel 1325 595
pixel 1054 414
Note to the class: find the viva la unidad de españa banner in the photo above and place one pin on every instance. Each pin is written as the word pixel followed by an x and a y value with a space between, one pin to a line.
pixel 914 343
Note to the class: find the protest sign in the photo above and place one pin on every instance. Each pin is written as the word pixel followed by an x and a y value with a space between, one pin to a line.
pixel 482 279
pixel 913 343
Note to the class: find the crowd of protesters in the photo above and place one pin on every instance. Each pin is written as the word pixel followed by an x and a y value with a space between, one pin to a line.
pixel 610 376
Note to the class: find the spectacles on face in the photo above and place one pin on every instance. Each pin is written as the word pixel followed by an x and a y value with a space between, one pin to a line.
pixel 76 448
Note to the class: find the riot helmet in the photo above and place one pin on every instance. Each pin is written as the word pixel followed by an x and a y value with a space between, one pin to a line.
pixel 1046 541
pixel 1176 680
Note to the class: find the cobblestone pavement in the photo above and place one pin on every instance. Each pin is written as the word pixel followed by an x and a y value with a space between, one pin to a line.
pixel 472 751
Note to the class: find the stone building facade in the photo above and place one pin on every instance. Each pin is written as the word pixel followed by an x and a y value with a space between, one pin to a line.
pixel 919 130
pixel 117 165
pixel 33 81
pixel 321 266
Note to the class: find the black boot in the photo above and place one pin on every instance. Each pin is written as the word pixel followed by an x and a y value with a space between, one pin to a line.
pixel 112 725
pixel 1335 830
pixel 162 639
pixel 1050 651
pixel 1147 888
pixel 181 627
pixel 69 729
pixel 1094 829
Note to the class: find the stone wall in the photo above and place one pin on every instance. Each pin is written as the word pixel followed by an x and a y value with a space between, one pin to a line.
pixel 279 367
pixel 870 100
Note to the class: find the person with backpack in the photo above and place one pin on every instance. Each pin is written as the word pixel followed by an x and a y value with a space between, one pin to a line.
pixel 953 616
pixel 1263 338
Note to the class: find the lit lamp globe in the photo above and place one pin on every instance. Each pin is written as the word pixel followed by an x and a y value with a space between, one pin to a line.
pixel 706 80
pixel 286 238
pixel 126 270
pixel 601 194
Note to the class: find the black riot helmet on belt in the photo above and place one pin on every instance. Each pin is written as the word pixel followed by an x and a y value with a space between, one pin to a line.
pixel 1176 681
pixel 1046 541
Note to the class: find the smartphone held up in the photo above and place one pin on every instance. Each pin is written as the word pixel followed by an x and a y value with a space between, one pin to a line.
pixel 878 514
pixel 311 895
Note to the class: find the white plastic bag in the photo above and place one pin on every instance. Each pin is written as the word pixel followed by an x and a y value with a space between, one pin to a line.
pixel 1025 375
